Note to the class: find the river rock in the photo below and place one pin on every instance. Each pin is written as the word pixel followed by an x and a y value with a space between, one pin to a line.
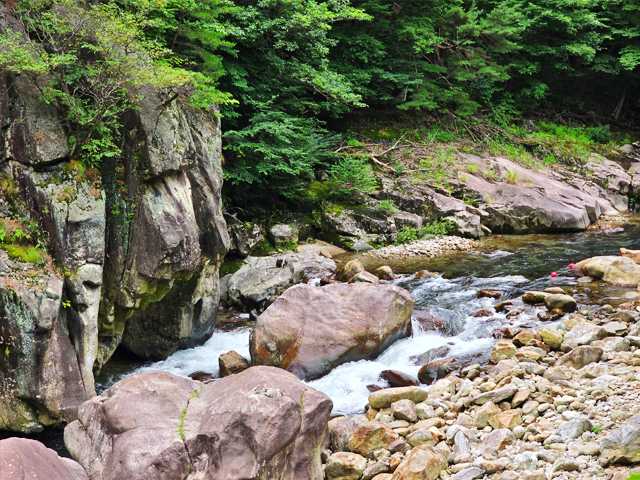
pixel 260 277
pixel 508 419
pixel 495 442
pixel 436 370
pixel 552 338
pixel 623 445
pixel 565 303
pixel 496 396
pixel 632 254
pixel 244 237
pixel 503 348
pixel 396 378
pixel 385 397
pixel 157 425
pixel 370 437
pixel 310 330
pixel 282 235
pixel 422 463
pixel 345 466
pixel 404 410
pixel 534 297
pixel 488 294
pixel 622 271
pixel 583 334
pixel 341 429
pixel 385 273
pixel 594 267
pixel 364 277
pixel 23 459
pixel 232 362
pixel 581 356
pixel 484 413
pixel 574 428
pixel 349 270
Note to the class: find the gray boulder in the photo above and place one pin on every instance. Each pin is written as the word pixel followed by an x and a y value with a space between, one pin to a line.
pixel 623 445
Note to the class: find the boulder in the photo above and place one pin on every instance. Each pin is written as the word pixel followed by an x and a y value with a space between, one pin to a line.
pixel 370 437
pixel 310 330
pixel 422 463
pixel 436 370
pixel 496 396
pixel 508 419
pixel 534 297
pixel 594 267
pixel 574 428
pixel 385 397
pixel 623 271
pixel 244 237
pixel 632 254
pixel 566 303
pixel 260 277
pixel 583 334
pixel 610 174
pixel 484 413
pixel 23 459
pixel 345 466
pixel 495 442
pixel 488 294
pixel 385 273
pixel 365 277
pixel 349 270
pixel 157 425
pixel 623 445
pixel 581 356
pixel 341 429
pixel 396 378
pixel 404 410
pixel 282 235
pixel 552 338
pixel 503 348
pixel 232 362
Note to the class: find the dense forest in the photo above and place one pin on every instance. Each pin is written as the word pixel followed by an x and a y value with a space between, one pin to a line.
pixel 294 79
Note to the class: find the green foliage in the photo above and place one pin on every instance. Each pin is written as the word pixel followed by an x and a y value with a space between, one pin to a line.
pixel 410 234
pixel 352 173
pixel 601 134
pixel 596 428
pixel 407 235
pixel 388 207
pixel 93 63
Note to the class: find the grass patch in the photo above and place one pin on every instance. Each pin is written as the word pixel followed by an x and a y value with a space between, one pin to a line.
pixel 26 254
pixel 388 207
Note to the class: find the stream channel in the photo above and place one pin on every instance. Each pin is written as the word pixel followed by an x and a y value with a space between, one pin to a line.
pixel 510 264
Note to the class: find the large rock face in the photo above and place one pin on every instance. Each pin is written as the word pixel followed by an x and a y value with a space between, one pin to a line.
pixel 138 243
pixel 310 330
pixel 22 459
pixel 262 424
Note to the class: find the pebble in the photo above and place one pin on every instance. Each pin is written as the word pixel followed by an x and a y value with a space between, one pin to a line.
pixel 427 247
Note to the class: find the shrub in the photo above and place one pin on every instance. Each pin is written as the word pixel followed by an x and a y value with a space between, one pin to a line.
pixel 353 174
pixel 601 134
pixel 388 207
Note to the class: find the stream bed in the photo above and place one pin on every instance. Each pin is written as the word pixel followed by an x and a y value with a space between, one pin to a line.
pixel 510 264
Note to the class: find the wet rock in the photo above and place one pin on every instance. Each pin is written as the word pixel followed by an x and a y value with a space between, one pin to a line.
pixel 385 397
pixel 534 297
pixel 581 356
pixel 396 378
pixel 484 312
pixel 594 267
pixel 232 362
pixel 436 370
pixel 310 330
pixel 345 466
pixel 349 270
pixel 524 337
pixel 488 294
pixel 428 322
pixel 385 273
pixel 422 463
pixel 23 459
pixel 370 437
pixel 565 303
pixel 430 355
pixel 622 271
pixel 365 277
pixel 203 377
pixel 157 425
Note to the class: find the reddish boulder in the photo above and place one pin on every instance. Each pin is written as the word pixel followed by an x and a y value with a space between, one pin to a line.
pixel 232 362
pixel 262 423
pixel 23 459
pixel 310 330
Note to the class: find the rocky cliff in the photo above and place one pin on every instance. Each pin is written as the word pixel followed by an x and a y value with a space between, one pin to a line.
pixel 135 246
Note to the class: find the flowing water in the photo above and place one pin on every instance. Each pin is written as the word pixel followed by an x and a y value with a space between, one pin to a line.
pixel 509 264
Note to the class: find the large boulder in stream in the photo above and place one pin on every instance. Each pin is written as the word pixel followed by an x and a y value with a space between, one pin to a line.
pixel 310 330
pixel 263 423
